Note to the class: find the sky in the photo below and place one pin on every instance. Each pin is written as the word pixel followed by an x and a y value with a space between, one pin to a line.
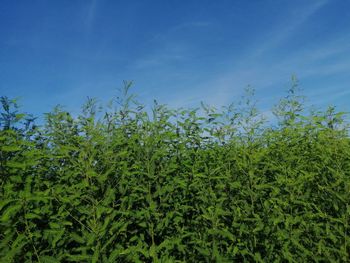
pixel 177 52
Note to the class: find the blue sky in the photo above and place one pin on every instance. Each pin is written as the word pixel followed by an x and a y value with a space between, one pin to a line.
pixel 178 52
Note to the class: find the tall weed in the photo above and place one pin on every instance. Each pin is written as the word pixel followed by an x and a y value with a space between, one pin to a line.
pixel 124 184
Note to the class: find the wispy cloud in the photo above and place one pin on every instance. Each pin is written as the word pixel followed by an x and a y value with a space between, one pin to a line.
pixel 164 55
pixel 258 69
pixel 191 25
pixel 259 65
pixel 288 27
pixel 252 69
pixel 328 60
pixel 181 27
pixel 90 14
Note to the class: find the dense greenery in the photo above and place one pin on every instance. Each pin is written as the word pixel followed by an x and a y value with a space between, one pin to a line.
pixel 124 184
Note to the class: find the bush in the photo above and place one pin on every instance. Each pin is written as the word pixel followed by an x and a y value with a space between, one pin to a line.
pixel 185 185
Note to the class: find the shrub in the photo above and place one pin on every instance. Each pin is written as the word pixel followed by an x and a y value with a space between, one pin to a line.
pixel 185 185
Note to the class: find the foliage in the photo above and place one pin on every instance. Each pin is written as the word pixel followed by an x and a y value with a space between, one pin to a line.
pixel 185 185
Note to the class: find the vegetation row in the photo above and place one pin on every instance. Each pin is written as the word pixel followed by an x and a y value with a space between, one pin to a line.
pixel 127 184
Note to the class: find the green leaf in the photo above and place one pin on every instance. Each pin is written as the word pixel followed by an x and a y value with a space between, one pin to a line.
pixel 10 212
pixel 10 148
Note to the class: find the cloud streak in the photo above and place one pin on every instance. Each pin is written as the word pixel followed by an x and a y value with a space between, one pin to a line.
pixel 262 71
pixel 286 30
pixel 90 15
pixel 258 66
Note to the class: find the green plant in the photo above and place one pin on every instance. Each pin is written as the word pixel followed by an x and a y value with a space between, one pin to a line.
pixel 187 185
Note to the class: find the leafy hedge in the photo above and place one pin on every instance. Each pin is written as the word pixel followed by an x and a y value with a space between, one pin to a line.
pixel 189 185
